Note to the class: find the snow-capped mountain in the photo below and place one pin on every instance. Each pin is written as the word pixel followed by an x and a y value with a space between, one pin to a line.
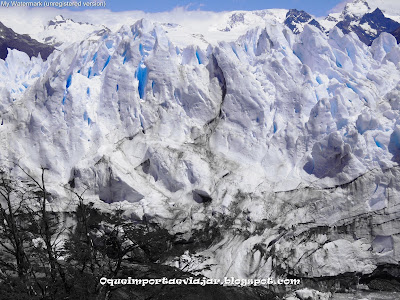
pixel 355 9
pixel 369 26
pixel 365 20
pixel 10 39
pixel 250 19
pixel 61 32
pixel 296 20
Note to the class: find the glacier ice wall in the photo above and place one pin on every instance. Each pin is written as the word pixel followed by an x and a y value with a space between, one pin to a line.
pixel 286 145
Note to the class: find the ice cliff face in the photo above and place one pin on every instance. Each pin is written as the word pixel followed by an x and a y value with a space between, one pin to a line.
pixel 281 150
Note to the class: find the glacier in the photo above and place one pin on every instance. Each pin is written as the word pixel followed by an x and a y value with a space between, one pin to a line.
pixel 283 150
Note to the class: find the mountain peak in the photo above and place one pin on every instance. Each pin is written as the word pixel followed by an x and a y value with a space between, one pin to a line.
pixel 377 12
pixel 367 26
pixel 297 19
pixel 357 9
pixel 59 19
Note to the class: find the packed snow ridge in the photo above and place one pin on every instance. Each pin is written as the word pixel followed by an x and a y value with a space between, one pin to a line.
pixel 288 145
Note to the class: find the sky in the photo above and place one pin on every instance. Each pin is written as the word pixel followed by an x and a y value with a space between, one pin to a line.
pixel 314 7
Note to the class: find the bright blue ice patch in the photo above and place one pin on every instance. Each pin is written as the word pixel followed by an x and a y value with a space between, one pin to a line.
pixel 319 80
pixel 234 51
pixel 86 118
pixel 107 62
pixel 117 87
pixel 298 56
pixel 126 55
pixel 141 121
pixel 89 72
pixel 198 57
pixel 141 49
pixel 380 145
pixel 88 91
pixel 275 127
pixel 338 64
pixel 64 98
pixel 142 77
pixel 351 87
pixel 94 57
pixel 69 81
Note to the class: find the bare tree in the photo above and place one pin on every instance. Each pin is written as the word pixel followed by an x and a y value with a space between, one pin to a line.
pixel 13 234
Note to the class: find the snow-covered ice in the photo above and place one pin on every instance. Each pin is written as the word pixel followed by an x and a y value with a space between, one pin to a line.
pixel 287 144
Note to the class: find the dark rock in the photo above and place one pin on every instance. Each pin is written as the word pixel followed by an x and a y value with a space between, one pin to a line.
pixel 383 278
pixel 376 20
pixel 294 17
pixel 396 34
pixel 201 196
pixel 21 42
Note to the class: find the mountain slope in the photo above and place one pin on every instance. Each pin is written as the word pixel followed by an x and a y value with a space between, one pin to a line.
pixel 369 26
pixel 296 20
pixel 61 32
pixel 24 43
pixel 396 34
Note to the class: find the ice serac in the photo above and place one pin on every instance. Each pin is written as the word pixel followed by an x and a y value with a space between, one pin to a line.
pixel 18 72
pixel 281 151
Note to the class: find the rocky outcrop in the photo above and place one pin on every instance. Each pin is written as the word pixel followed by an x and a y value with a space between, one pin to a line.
pixel 11 40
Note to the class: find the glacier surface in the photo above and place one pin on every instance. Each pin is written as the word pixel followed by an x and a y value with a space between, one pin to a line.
pixel 287 145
